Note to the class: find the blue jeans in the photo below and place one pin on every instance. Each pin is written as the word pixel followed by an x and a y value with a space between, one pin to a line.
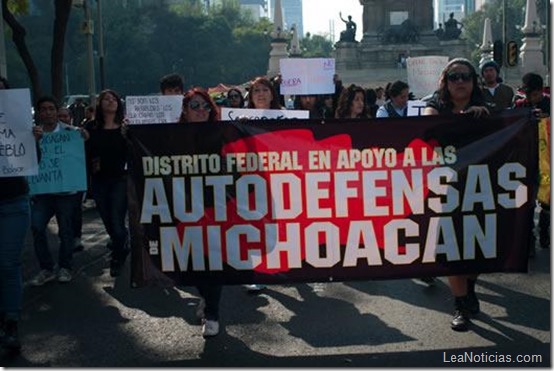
pixel 110 196
pixel 43 208
pixel 14 222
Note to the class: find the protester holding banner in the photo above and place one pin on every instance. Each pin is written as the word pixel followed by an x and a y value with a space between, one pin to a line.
pixel 262 95
pixel 15 215
pixel 459 93
pixel 107 160
pixel 46 205
pixel 352 103
pixel 397 105
pixel 532 86
pixel 199 107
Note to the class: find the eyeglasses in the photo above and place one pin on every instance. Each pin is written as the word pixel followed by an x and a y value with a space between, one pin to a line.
pixel 195 105
pixel 233 96
pixel 455 76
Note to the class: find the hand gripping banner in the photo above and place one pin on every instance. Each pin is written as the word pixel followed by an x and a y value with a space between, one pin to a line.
pixel 281 201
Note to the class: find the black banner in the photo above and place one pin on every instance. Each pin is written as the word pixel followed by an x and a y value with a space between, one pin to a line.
pixel 301 200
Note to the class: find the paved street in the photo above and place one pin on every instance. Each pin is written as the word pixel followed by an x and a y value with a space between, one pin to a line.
pixel 100 321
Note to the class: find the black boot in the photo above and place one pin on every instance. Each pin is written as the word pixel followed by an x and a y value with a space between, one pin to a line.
pixel 472 301
pixel 460 322
pixel 11 338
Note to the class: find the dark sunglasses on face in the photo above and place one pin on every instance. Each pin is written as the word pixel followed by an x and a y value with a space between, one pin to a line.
pixel 195 105
pixel 233 96
pixel 455 76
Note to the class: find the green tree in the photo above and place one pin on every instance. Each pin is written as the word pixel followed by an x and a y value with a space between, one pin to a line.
pixel 11 9
pixel 316 46
pixel 474 23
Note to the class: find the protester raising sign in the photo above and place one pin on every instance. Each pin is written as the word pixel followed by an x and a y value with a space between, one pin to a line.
pixel 423 74
pixel 18 155
pixel 153 109
pixel 62 165
pixel 305 76
pixel 273 203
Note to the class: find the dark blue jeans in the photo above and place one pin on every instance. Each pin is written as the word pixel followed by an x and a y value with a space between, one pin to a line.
pixel 110 196
pixel 14 222
pixel 43 208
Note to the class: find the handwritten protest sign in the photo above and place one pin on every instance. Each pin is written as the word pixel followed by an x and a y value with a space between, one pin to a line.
pixel 423 74
pixel 62 165
pixel 18 155
pixel 415 107
pixel 155 109
pixel 233 114
pixel 304 76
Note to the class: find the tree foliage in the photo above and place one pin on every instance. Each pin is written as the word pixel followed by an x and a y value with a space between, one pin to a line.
pixel 316 46
pixel 143 43
pixel 515 13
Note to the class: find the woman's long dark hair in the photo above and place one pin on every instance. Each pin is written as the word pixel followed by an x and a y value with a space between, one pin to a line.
pixel 99 121
pixel 476 98
pixel 345 102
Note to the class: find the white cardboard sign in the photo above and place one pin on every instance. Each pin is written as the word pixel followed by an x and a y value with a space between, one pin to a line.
pixel 234 114
pixel 153 109
pixel 415 107
pixel 424 73
pixel 18 155
pixel 307 76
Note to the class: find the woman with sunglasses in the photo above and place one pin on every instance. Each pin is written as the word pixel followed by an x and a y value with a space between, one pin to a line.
pixel 235 98
pixel 199 107
pixel 459 92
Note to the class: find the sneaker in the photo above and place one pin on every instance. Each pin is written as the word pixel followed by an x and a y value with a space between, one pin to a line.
pixel 64 275
pixel 460 321
pixel 210 328
pixel 255 287
pixel 43 277
pixel 200 309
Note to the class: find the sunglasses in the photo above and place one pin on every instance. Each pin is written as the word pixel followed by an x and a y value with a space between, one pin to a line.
pixel 195 105
pixel 233 96
pixel 455 76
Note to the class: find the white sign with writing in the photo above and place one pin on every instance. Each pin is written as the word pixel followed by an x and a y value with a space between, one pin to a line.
pixel 424 73
pixel 415 107
pixel 306 76
pixel 18 154
pixel 234 114
pixel 153 109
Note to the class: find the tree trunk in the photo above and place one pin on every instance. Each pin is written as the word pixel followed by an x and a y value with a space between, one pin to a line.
pixel 18 37
pixel 63 9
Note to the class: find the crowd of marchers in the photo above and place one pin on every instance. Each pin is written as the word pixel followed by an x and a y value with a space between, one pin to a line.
pixel 462 89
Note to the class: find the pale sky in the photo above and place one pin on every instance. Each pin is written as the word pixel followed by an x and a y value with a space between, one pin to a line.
pixel 318 13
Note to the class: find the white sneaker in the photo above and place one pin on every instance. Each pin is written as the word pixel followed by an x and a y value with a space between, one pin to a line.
pixel 43 277
pixel 255 287
pixel 64 275
pixel 200 309
pixel 210 328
